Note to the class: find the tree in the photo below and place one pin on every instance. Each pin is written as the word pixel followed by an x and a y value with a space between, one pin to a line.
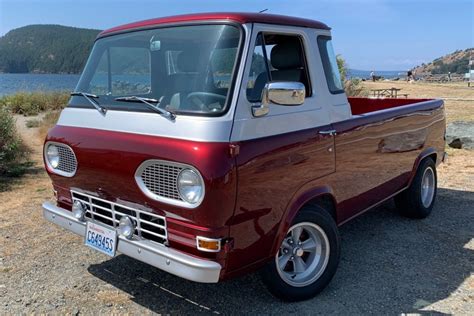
pixel 353 87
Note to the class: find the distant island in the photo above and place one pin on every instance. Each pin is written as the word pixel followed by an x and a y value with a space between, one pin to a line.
pixel 46 49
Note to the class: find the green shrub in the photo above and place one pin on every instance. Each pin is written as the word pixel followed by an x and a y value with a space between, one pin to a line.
pixel 353 87
pixel 32 103
pixel 13 153
pixel 33 123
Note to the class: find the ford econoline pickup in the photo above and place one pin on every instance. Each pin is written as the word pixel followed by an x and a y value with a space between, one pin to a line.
pixel 214 145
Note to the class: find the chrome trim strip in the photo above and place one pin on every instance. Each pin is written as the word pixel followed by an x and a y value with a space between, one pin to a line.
pixel 56 171
pixel 159 256
pixel 153 196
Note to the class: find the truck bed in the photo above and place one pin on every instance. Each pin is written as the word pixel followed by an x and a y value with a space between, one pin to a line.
pixel 365 105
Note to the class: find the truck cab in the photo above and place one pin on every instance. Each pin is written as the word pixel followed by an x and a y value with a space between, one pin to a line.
pixel 213 145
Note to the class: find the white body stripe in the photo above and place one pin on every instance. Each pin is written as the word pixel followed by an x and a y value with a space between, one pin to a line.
pixel 209 129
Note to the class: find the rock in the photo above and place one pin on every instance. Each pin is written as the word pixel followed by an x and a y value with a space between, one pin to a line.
pixel 460 134
pixel 456 143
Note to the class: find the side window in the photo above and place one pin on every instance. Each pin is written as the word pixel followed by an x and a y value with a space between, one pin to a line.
pixel 276 57
pixel 333 77
pixel 258 69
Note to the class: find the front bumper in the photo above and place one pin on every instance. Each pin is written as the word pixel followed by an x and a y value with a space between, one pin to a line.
pixel 162 257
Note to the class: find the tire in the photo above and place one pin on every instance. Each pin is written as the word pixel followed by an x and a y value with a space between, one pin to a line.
pixel 313 224
pixel 417 201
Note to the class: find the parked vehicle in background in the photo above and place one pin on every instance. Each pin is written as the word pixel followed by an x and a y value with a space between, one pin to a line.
pixel 213 145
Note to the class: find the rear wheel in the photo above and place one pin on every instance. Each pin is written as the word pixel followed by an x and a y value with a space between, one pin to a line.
pixel 307 259
pixel 417 201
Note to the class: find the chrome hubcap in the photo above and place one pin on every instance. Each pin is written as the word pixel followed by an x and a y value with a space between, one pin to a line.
pixel 303 255
pixel 427 187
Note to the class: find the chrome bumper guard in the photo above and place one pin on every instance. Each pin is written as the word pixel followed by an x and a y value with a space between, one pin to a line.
pixel 159 256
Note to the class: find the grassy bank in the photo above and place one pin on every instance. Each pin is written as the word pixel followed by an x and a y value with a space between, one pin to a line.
pixel 33 103
pixel 14 155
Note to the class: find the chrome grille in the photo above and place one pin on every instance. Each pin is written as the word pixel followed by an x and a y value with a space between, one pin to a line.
pixel 161 179
pixel 67 159
pixel 148 225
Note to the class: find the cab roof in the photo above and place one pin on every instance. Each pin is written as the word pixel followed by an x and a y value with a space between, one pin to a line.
pixel 239 17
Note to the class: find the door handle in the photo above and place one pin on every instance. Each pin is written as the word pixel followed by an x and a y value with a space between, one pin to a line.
pixel 331 132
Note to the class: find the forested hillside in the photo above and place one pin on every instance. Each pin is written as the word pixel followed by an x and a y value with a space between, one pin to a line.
pixel 45 49
pixel 457 62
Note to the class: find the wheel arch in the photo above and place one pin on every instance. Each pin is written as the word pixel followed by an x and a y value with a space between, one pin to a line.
pixel 427 153
pixel 320 196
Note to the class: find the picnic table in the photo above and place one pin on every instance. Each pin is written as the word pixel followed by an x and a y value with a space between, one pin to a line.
pixel 387 93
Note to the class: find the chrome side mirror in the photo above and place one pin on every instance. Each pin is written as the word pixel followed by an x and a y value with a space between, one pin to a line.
pixel 286 93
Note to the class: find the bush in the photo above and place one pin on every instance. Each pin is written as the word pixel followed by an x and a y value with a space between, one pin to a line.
pixel 353 87
pixel 13 153
pixel 32 103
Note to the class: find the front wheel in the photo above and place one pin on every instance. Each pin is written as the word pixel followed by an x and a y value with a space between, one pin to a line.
pixel 417 201
pixel 307 259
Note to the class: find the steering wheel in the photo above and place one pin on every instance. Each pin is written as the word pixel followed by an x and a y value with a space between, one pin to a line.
pixel 206 100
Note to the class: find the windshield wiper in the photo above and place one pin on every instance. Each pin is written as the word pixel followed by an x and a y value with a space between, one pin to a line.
pixel 149 103
pixel 90 97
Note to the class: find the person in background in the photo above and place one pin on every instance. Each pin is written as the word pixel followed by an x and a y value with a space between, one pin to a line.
pixel 409 75
pixel 372 75
pixel 449 75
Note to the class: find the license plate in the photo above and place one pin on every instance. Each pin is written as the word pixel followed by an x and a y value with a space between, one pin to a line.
pixel 101 238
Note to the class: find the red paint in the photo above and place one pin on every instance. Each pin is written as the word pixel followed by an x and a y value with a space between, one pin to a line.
pixel 276 175
pixel 243 17
pixel 270 171
pixel 366 105
pixel 107 162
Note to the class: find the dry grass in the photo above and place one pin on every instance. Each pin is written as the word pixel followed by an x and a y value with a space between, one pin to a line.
pixel 458 97
pixel 33 103
pixel 48 121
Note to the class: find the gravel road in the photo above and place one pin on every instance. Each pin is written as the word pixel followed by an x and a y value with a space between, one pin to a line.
pixel 389 265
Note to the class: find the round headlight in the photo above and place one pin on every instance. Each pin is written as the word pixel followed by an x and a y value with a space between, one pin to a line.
pixel 78 210
pixel 52 154
pixel 190 186
pixel 126 227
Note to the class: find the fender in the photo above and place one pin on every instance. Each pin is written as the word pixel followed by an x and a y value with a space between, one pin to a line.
pixel 297 202
pixel 425 153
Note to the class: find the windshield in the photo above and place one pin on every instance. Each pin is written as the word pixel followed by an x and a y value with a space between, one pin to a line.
pixel 188 69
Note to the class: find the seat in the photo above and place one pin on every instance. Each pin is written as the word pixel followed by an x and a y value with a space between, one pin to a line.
pixel 185 81
pixel 287 60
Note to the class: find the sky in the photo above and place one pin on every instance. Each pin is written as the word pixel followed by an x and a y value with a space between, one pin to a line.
pixel 369 34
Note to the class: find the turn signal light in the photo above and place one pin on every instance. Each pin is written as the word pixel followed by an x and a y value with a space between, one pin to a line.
pixel 208 244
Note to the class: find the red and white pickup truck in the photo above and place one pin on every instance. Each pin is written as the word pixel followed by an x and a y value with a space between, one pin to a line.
pixel 213 145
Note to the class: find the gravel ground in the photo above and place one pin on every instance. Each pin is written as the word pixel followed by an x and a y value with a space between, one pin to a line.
pixel 389 264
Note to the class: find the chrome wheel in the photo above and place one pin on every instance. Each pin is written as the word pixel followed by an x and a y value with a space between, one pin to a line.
pixel 428 184
pixel 303 255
